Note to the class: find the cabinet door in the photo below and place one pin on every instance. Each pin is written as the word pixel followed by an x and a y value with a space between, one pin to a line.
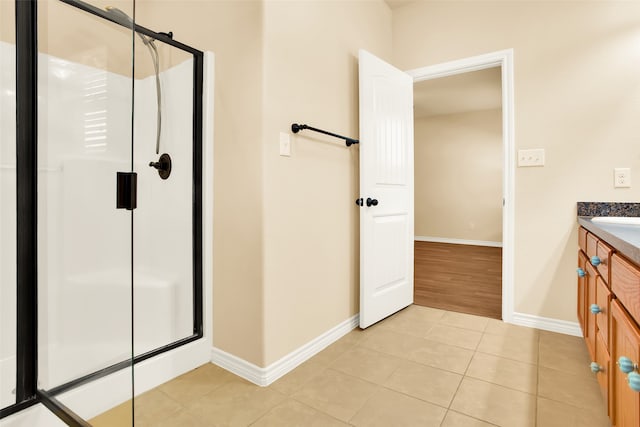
pixel 590 331
pixel 603 296
pixel 582 292
pixel 625 341
pixel 604 364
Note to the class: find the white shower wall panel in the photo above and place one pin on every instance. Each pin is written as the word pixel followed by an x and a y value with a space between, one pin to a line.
pixel 163 219
pixel 85 242
pixel 7 223
pixel 84 134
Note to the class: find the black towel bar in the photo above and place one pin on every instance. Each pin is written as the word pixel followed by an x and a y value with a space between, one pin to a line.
pixel 295 128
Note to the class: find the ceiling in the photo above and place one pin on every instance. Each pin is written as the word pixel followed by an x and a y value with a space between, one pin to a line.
pixel 472 91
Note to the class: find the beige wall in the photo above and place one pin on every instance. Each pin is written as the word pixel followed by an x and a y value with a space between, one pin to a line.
pixel 286 229
pixel 7 21
pixel 577 95
pixel 311 255
pixel 458 176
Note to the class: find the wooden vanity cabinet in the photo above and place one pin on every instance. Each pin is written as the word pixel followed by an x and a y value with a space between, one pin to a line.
pixel 609 315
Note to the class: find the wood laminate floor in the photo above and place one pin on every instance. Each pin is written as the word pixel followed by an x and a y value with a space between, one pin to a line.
pixel 462 278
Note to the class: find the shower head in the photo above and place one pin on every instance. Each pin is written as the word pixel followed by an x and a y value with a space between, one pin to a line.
pixel 121 17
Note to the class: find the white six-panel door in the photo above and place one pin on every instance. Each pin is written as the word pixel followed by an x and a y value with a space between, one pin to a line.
pixel 386 179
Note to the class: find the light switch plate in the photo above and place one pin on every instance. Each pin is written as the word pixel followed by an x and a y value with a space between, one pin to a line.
pixel 622 178
pixel 285 144
pixel 533 157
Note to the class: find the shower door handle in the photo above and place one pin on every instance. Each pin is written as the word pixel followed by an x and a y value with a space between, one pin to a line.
pixel 126 190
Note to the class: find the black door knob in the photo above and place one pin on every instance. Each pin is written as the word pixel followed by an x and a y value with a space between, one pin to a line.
pixel 372 202
pixel 359 202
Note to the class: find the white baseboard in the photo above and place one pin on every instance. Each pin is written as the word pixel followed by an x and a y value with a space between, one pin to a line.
pixel 458 241
pixel 265 376
pixel 547 324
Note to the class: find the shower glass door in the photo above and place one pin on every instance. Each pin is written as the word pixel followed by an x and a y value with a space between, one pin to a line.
pixel 85 244
pixel 163 222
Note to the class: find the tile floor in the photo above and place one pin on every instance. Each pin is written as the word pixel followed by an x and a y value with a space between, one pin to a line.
pixel 420 367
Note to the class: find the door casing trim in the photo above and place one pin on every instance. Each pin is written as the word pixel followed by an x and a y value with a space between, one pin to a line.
pixel 504 60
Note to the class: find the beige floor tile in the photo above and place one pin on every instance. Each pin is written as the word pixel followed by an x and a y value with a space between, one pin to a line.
pixel 295 379
pixel 196 383
pixel 388 408
pixel 558 414
pixel 393 343
pixel 442 356
pixel 334 351
pixel 524 349
pixel 465 321
pixel 498 327
pixel 577 390
pixel 295 414
pixel 369 365
pixel 564 353
pixel 355 336
pixel 153 406
pixel 424 382
pixel 119 416
pixel 454 419
pixel 408 325
pixel 236 403
pixel 495 404
pixel 505 372
pixel 454 336
pixel 337 394
pixel 422 314
pixel 180 419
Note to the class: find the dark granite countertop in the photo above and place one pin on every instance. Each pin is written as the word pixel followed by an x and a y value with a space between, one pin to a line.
pixel 623 237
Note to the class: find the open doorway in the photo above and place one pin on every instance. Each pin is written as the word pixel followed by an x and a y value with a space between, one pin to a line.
pixel 463 183
pixel 458 192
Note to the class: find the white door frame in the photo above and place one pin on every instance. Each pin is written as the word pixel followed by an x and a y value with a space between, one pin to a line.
pixel 503 59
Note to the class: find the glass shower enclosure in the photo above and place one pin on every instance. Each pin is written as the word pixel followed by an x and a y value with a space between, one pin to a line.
pixel 114 164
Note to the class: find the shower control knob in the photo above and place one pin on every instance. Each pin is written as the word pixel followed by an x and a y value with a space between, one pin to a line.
pixel 372 202
pixel 163 165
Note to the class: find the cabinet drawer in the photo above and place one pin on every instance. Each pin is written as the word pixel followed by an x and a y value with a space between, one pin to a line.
pixel 625 281
pixel 592 245
pixel 604 252
pixel 582 238
pixel 603 299
pixel 597 248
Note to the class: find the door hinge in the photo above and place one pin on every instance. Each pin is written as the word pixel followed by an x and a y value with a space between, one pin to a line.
pixel 127 190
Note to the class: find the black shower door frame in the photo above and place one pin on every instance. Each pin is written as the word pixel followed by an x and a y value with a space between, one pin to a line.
pixel 27 392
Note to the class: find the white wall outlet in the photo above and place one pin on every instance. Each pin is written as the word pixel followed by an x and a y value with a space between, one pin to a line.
pixel 285 144
pixel 534 157
pixel 622 178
